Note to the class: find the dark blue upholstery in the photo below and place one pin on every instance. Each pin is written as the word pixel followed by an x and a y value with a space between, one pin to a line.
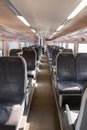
pixel 68 50
pixel 12 79
pixel 69 87
pixel 81 67
pixel 13 52
pixel 30 58
pixel 12 91
pixel 54 54
pixel 66 67
pixel 71 74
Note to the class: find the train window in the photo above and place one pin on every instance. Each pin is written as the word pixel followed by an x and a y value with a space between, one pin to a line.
pixel 82 48
pixel 1 52
pixel 1 48
pixel 60 44
pixel 64 45
pixel 23 44
pixel 71 46
pixel 13 45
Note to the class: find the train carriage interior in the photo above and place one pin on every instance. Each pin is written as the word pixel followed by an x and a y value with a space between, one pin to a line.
pixel 43 64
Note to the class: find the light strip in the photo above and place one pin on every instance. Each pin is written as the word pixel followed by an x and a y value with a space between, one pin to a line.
pixel 23 20
pixel 60 27
pixel 33 30
pixel 54 33
pixel 81 6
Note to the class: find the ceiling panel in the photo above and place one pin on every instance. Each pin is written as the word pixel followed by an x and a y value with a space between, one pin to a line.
pixel 45 15
pixel 9 19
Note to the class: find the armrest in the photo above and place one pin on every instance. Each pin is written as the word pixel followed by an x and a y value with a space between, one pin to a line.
pixel 71 125
pixel 27 93
pixel 68 115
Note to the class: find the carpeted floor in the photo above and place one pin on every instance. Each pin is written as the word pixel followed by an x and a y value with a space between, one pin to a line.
pixel 43 112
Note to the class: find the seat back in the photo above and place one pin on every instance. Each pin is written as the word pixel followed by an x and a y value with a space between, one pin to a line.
pixel 68 50
pixel 54 54
pixel 65 67
pixel 13 52
pixel 81 123
pixel 81 67
pixel 30 57
pixel 12 79
pixel 37 52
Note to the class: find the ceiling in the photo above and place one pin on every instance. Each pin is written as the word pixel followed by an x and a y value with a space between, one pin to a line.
pixel 45 16
pixel 11 26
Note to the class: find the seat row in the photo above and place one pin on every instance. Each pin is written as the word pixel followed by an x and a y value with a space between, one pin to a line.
pixel 31 56
pixel 53 52
pixel 16 73
pixel 71 75
pixel 14 92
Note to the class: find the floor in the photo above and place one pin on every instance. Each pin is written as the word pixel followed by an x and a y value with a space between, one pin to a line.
pixel 43 113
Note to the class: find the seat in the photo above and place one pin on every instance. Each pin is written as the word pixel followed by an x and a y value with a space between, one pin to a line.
pixel 13 91
pixel 65 77
pixel 30 57
pixel 14 52
pixel 81 67
pixel 67 50
pixel 54 54
pixel 36 48
pixel 77 120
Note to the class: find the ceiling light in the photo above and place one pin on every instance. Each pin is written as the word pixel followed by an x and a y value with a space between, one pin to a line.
pixel 23 20
pixel 33 30
pixel 60 27
pixel 54 33
pixel 81 6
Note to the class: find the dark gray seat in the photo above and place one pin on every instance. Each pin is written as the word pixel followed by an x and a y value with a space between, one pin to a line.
pixel 30 57
pixel 54 54
pixel 66 82
pixel 14 52
pixel 81 67
pixel 69 88
pixel 13 84
pixel 71 74
pixel 65 74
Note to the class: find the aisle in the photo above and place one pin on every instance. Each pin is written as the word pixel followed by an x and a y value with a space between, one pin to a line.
pixel 43 113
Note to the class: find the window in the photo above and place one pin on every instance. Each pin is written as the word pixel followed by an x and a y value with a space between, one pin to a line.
pixel 1 52
pixel 60 44
pixel 1 48
pixel 23 44
pixel 71 46
pixel 13 45
pixel 64 45
pixel 82 48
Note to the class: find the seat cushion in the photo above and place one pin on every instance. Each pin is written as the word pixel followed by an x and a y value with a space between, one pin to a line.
pixel 10 114
pixel 69 87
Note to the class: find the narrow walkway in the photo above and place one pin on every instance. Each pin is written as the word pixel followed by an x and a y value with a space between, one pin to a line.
pixel 43 113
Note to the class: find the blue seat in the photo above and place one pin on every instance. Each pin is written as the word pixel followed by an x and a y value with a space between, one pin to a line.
pixel 13 91
pixel 30 57
pixel 14 52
